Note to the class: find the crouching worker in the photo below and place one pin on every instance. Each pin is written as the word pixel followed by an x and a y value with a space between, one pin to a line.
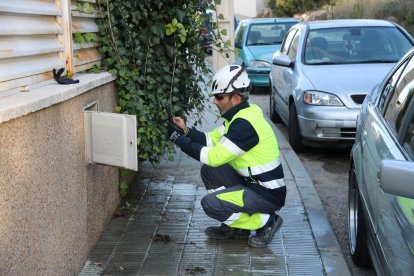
pixel 242 170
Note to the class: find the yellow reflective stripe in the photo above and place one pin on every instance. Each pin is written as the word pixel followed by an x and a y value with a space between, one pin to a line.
pixel 216 155
pixel 227 143
pixel 260 169
pixel 235 197
pixel 234 217
pixel 245 221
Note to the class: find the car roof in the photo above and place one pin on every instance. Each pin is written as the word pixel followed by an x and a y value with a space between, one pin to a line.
pixel 269 20
pixel 347 23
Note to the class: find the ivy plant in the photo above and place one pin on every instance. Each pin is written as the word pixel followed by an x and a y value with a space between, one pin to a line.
pixel 154 50
pixel 82 38
pixel 85 8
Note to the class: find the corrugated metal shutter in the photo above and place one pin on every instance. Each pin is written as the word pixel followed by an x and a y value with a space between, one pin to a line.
pixel 34 40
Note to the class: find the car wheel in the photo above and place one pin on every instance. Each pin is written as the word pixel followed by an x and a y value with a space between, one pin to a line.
pixel 295 139
pixel 272 108
pixel 253 90
pixel 357 235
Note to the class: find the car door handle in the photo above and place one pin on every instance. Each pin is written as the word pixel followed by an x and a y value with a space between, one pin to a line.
pixel 364 138
pixel 375 127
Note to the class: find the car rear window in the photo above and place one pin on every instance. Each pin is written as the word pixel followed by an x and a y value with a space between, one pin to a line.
pixel 267 34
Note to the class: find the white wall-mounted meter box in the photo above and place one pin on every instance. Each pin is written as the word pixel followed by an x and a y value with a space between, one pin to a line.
pixel 111 139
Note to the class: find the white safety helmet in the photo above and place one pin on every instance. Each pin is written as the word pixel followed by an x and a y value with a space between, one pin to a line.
pixel 230 78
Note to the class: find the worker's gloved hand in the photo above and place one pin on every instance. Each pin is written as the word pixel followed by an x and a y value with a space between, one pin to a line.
pixel 174 132
pixel 62 79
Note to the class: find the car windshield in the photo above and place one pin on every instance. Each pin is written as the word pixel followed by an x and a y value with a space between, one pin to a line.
pixel 355 45
pixel 267 34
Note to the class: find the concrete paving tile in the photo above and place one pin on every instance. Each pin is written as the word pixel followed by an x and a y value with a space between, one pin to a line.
pixel 119 273
pixel 186 205
pixel 100 258
pixel 196 269
pixel 133 247
pixel 104 247
pixel 305 265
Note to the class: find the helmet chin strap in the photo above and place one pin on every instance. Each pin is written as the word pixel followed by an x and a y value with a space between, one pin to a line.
pixel 234 78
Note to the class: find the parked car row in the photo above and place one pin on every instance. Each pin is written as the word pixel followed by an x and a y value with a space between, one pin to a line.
pixel 351 81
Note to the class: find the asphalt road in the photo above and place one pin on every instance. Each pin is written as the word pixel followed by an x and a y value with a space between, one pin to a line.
pixel 328 169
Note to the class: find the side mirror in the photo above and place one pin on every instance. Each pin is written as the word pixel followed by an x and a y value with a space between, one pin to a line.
pixel 283 60
pixel 396 177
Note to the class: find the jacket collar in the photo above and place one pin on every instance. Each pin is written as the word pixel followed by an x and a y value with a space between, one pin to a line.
pixel 229 114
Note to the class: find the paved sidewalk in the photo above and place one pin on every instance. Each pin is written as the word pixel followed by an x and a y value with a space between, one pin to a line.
pixel 163 234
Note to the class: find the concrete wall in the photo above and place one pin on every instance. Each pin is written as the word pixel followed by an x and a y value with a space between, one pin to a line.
pixel 249 8
pixel 53 208
pixel 227 10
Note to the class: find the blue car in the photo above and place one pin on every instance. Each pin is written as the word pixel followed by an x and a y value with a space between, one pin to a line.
pixel 256 40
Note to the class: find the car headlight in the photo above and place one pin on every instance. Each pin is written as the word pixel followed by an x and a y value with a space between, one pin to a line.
pixel 321 98
pixel 259 64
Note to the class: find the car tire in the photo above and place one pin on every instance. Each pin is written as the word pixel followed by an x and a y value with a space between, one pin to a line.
pixel 357 235
pixel 253 90
pixel 295 139
pixel 272 108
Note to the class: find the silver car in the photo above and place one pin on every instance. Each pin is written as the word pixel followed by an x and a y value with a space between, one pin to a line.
pixel 381 176
pixel 323 71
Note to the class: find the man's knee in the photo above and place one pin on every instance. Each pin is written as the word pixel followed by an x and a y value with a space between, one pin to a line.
pixel 206 202
pixel 211 206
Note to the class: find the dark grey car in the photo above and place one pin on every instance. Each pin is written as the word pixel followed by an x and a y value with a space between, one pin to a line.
pixel 381 176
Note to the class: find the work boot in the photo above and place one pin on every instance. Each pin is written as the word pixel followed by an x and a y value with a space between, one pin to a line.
pixel 265 234
pixel 225 232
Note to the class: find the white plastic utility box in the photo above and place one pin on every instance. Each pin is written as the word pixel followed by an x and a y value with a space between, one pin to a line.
pixel 111 139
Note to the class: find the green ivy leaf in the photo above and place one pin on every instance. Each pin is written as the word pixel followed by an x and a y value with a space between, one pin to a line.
pixel 180 14
pixel 123 186
pixel 227 43
pixel 90 37
pixel 78 38
pixel 182 38
pixel 124 172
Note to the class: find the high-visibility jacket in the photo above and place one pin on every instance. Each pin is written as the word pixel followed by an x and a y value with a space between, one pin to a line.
pixel 260 164
pixel 257 161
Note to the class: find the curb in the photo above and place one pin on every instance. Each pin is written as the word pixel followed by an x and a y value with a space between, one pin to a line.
pixel 325 239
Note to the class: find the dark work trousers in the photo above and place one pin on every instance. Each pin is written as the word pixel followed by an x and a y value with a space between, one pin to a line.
pixel 224 179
